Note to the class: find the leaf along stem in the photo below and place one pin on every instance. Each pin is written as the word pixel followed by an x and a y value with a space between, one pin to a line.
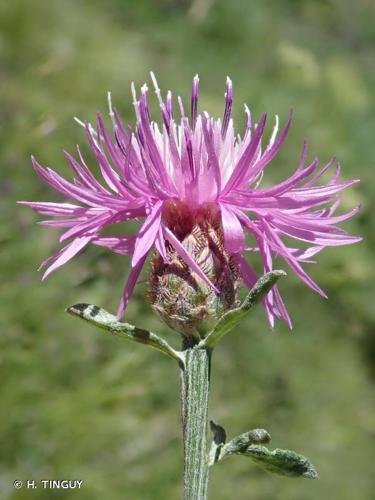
pixel 103 319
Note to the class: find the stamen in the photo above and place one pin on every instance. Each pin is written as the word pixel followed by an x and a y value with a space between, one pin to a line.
pixel 134 94
pixel 135 102
pixel 80 122
pixel 87 125
pixel 111 113
pixel 248 120
pixel 144 102
pixel 157 89
pixel 169 104
pixel 166 113
pixel 194 100
pixel 228 106
pixel 180 103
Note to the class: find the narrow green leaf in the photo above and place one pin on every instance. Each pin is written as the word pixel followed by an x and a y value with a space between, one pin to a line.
pixel 231 318
pixel 240 443
pixel 284 462
pixel 103 319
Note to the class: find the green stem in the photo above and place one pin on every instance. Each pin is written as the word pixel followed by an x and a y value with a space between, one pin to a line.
pixel 195 377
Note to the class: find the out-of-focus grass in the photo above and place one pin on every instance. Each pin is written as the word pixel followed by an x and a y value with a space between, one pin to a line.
pixel 77 404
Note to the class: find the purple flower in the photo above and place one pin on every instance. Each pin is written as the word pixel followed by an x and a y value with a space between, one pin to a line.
pixel 172 174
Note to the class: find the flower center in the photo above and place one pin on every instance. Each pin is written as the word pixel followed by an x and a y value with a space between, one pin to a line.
pixel 180 217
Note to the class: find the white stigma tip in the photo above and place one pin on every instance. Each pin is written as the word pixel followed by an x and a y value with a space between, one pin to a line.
pixel 109 99
pixel 92 131
pixel 134 94
pixel 157 89
pixel 154 81
pixel 181 106
pixel 110 108
pixel 80 122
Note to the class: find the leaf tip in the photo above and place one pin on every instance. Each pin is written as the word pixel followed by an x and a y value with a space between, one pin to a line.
pixel 77 309
pixel 279 273
pixel 311 472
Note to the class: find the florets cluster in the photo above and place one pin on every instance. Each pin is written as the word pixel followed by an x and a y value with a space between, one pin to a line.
pixel 196 185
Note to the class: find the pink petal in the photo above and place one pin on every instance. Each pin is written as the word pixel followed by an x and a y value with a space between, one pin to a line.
pixel 148 233
pixel 84 174
pixel 270 153
pixel 90 225
pixel 243 163
pixel 212 160
pixel 68 253
pixel 129 287
pixel 322 190
pixel 315 237
pixel 150 141
pixel 284 252
pixel 109 175
pixel 233 233
pixel 123 245
pixel 160 246
pixel 54 209
pixel 288 184
pixel 248 274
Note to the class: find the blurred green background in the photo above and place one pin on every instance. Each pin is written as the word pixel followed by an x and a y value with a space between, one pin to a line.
pixel 77 404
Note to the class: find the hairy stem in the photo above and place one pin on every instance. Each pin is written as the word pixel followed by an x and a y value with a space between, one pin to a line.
pixel 195 376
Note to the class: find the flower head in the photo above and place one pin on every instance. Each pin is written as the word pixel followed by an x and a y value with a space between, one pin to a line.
pixel 197 186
